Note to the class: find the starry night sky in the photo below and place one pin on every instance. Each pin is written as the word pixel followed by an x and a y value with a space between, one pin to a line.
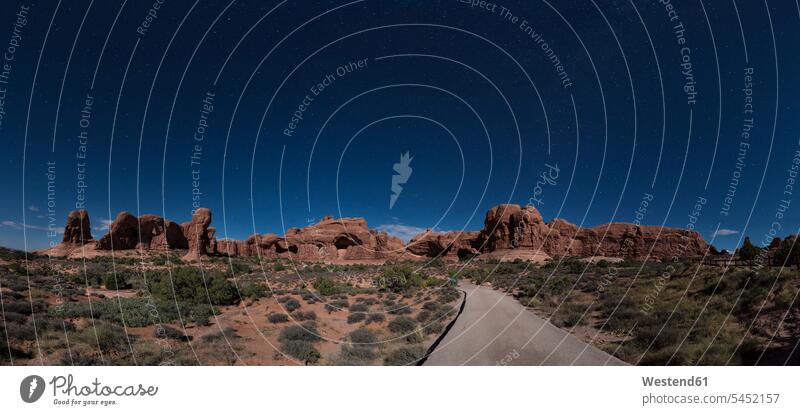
pixel 646 103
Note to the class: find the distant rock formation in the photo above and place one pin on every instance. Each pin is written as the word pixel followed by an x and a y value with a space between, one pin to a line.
pixel 445 244
pixel 123 233
pixel 509 231
pixel 197 233
pixel 78 230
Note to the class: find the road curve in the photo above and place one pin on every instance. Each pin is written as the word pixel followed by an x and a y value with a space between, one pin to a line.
pixel 496 329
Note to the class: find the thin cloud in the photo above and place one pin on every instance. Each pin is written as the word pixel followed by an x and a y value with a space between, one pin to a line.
pixel 725 232
pixel 20 226
pixel 104 224
pixel 404 232
pixel 33 208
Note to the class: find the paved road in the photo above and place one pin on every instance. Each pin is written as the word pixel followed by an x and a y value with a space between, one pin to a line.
pixel 495 328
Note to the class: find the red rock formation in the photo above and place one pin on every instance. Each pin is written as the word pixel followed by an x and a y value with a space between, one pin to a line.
pixel 447 244
pixel 122 234
pixel 171 237
pixel 336 239
pixel 196 232
pixel 512 227
pixel 150 226
pixel 508 230
pixel 78 230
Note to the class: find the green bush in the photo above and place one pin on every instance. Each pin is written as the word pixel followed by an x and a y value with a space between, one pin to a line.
pixel 276 318
pixel 402 325
pixel 355 355
pixel 304 316
pixel 404 356
pixel 449 294
pixel 116 281
pixel 423 316
pixel 359 307
pixel 240 268
pixel 301 350
pixel 353 318
pixel 291 305
pixel 187 285
pixel 326 286
pixel 363 336
pixel 169 332
pixel 433 328
pixel 399 309
pixel 398 278
pixel 375 318
pixel 307 332
pixel 253 290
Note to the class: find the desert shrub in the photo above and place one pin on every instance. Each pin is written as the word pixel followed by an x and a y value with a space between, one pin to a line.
pixel 355 355
pixel 748 251
pixel 402 325
pixel 25 307
pixel 433 328
pixel 226 333
pixel 336 305
pixel 79 356
pixel 134 312
pixel 568 317
pixel 430 305
pixel 573 265
pixel 240 268
pixel 310 298
pixel 11 316
pixel 15 331
pixel 398 278
pixel 201 314
pixel 399 309
pixel 375 318
pixel 190 286
pixel 304 316
pixel 253 290
pixel 276 318
pixel 169 332
pixel 359 307
pixel 301 350
pixel 404 356
pixel 306 332
pixel 363 336
pixel 291 305
pixel 353 318
pixel 369 301
pixel 449 294
pixel 108 337
pixel 442 313
pixel 423 316
pixel 326 286
pixel 116 281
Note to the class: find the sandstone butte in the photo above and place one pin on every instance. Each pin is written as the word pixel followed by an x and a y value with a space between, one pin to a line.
pixel 509 232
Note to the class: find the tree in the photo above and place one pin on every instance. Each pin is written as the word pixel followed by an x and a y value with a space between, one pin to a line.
pixel 748 251
pixel 788 254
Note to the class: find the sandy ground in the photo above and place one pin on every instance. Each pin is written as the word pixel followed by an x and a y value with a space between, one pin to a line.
pixel 495 329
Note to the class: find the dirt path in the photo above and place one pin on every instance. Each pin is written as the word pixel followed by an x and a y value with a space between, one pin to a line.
pixel 496 329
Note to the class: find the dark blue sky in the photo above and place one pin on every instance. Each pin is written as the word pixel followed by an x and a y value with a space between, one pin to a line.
pixel 473 94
